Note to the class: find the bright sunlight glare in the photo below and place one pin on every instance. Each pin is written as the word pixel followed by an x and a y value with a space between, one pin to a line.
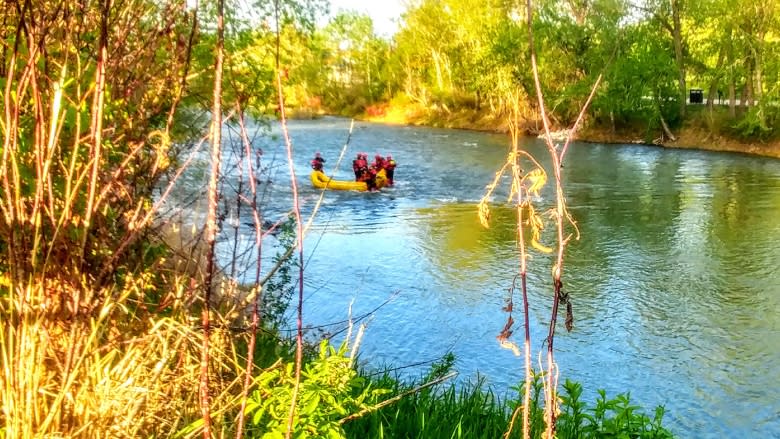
pixel 385 13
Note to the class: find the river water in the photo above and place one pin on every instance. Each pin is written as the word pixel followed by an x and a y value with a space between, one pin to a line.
pixel 675 281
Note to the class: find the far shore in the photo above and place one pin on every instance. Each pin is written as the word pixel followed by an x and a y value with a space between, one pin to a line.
pixel 687 137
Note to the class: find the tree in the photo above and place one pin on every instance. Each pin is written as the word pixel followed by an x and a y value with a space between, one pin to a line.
pixel 354 65
pixel 579 40
pixel 669 15
pixel 639 86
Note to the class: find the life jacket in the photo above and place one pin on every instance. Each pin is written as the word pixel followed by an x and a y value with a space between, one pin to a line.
pixel 364 175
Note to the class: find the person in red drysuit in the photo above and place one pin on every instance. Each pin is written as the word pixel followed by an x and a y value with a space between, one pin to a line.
pixel 356 166
pixel 379 163
pixel 360 166
pixel 317 162
pixel 390 169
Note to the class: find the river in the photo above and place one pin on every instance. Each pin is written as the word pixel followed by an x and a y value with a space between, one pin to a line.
pixel 675 281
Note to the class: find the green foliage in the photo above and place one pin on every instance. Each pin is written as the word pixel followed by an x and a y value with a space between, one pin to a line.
pixel 330 390
pixel 639 87
pixel 473 411
pixel 614 418
pixel 447 50
pixel 279 289
pixel 252 50
pixel 758 122
pixel 467 411
pixel 352 63
pixel 95 195
pixel 300 13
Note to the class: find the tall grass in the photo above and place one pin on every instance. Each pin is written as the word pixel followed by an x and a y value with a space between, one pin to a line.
pixel 100 335
pixel 97 335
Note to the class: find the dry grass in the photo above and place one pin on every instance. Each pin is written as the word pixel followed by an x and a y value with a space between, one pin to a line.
pixel 97 335
pixel 122 371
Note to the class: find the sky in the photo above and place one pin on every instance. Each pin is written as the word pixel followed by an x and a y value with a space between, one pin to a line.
pixel 384 13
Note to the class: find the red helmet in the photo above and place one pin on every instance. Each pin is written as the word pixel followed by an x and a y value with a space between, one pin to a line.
pixel 378 157
pixel 389 157
pixel 317 154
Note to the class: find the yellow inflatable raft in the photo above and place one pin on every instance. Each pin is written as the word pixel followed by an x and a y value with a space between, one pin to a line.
pixel 322 181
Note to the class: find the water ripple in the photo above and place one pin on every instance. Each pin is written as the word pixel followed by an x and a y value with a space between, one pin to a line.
pixel 675 282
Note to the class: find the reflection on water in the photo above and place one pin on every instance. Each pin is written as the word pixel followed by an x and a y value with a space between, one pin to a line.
pixel 675 280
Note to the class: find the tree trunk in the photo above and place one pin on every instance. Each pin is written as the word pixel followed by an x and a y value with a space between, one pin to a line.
pixel 437 65
pixel 732 98
pixel 667 131
pixel 612 120
pixel 368 77
pixel 747 94
pixel 447 70
pixel 678 53
pixel 412 78
pixel 714 84
pixel 758 64
pixel 732 79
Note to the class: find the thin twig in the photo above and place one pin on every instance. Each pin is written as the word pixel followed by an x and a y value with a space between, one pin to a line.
pixel 211 220
pixel 96 126
pixel 250 360
pixel 576 125
pixel 297 211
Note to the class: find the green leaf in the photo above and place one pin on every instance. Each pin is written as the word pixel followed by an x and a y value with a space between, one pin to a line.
pixel 273 435
pixel 311 405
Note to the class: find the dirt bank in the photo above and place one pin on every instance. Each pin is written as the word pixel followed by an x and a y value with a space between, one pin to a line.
pixel 686 137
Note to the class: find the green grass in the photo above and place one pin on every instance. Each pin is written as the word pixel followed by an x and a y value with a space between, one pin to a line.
pixel 473 410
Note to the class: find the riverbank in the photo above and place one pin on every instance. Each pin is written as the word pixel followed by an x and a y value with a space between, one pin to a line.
pixel 690 136
pixel 686 138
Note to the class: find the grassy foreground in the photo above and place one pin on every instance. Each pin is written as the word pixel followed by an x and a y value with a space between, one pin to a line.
pixel 338 401
pixel 131 369
pixel 474 411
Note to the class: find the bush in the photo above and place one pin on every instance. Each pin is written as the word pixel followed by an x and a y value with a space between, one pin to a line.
pixel 757 124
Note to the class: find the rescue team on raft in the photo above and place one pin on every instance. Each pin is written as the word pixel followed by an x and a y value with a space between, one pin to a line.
pixel 364 171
